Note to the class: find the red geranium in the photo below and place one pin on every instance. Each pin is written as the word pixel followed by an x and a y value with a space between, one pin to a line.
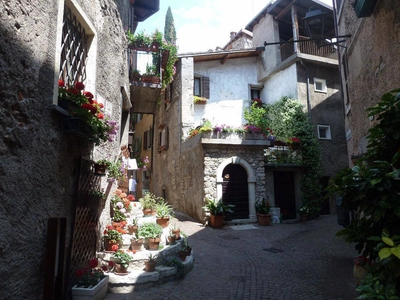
pixel 100 116
pixel 61 83
pixel 79 86
pixel 88 95
pixel 90 275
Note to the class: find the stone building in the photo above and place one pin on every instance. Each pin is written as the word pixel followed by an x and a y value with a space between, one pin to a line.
pixel 185 171
pixel 47 228
pixel 369 63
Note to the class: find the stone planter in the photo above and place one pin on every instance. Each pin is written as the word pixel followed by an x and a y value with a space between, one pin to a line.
pixel 97 292
pixel 254 136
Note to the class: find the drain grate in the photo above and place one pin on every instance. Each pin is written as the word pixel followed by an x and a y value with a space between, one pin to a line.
pixel 273 250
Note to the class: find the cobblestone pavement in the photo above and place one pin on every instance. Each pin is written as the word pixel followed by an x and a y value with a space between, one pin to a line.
pixel 283 261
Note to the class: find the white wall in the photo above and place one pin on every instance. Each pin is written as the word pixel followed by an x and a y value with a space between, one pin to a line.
pixel 283 83
pixel 229 90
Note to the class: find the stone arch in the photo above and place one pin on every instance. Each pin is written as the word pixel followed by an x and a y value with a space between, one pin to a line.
pixel 251 179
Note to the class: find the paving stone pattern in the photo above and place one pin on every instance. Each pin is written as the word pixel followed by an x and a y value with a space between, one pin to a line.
pixel 289 261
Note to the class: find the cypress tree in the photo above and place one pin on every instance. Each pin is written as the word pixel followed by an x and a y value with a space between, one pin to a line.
pixel 169 28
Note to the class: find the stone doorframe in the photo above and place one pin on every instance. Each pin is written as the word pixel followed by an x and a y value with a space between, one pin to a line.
pixel 251 180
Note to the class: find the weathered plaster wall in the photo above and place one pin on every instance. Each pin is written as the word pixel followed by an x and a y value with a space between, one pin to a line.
pixel 373 62
pixel 225 96
pixel 283 83
pixel 267 30
pixel 38 162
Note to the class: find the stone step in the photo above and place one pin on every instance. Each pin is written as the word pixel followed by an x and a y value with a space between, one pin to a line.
pixel 140 279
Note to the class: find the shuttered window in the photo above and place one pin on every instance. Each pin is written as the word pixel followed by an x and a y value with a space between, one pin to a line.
pixel 201 87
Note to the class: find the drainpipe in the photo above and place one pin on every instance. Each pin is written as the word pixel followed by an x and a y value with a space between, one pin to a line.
pixel 308 89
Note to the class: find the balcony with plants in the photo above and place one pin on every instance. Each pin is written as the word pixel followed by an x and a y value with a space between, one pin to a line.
pixel 151 68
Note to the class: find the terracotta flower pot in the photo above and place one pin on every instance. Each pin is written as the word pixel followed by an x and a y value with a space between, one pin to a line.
pixel 146 212
pixel 108 245
pixel 163 222
pixel 182 255
pixel 216 221
pixel 172 239
pixel 120 269
pixel 154 243
pixel 137 245
pixel 177 233
pixel 150 266
pixel 264 219
pixel 132 229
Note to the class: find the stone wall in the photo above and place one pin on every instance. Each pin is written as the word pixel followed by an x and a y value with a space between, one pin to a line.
pixel 38 162
pixel 373 64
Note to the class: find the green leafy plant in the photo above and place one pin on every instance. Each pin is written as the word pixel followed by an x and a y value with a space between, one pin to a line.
pixel 151 257
pixel 372 189
pixel 149 200
pixel 288 120
pixel 149 230
pixel 217 207
pixel 164 210
pixel 198 99
pixel 175 262
pixel 124 258
pixel 257 118
pixel 262 206
pixel 96 194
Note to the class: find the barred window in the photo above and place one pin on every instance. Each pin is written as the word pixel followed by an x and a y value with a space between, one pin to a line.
pixel 74 49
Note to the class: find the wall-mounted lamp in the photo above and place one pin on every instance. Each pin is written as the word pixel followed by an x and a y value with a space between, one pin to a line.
pixel 314 24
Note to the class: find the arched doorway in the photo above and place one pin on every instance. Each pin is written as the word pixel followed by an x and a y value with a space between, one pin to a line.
pixel 235 191
pixel 250 181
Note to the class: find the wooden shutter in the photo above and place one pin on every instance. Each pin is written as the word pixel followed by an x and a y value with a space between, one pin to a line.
pixel 206 87
pixel 145 140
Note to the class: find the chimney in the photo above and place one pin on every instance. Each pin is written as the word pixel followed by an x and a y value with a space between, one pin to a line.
pixel 233 34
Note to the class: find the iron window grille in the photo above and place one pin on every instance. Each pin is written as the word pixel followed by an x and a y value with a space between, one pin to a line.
pixel 74 49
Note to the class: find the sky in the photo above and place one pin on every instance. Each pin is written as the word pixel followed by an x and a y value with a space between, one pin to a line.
pixel 202 25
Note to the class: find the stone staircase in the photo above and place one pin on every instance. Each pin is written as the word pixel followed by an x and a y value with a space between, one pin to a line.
pixel 137 278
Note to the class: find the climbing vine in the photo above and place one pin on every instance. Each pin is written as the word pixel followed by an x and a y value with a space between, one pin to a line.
pixel 287 119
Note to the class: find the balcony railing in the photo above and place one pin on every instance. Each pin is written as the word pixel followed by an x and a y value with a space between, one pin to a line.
pixel 307 47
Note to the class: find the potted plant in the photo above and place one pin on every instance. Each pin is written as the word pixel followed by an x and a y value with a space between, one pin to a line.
pixel 164 213
pixel 122 260
pixel 150 263
pixel 152 233
pixel 112 237
pixel 132 228
pixel 115 171
pixel 100 167
pixel 95 199
pixel 171 237
pixel 217 210
pixel 137 243
pixel 91 282
pixel 199 100
pixel 176 231
pixel 263 209
pixel 304 212
pixel 148 203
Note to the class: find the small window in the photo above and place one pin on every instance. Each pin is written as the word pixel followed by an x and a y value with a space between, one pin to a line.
pixel 324 132
pixel 163 138
pixel 320 85
pixel 255 94
pixel 201 87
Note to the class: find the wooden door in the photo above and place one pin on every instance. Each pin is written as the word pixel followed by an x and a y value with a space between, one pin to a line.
pixel 235 191
pixel 284 189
